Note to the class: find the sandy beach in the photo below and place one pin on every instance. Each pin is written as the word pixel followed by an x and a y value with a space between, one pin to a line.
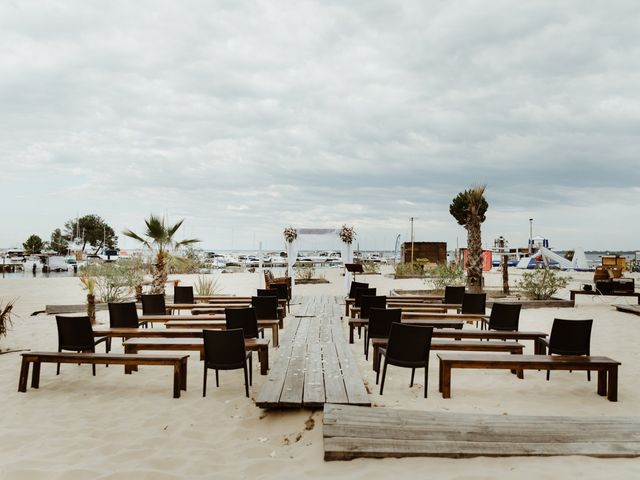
pixel 116 426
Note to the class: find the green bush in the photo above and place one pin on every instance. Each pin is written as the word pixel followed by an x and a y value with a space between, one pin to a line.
pixel 443 275
pixel 371 267
pixel 305 272
pixel 207 285
pixel 408 269
pixel 542 283
pixel 115 281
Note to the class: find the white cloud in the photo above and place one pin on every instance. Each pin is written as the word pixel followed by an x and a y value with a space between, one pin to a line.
pixel 246 116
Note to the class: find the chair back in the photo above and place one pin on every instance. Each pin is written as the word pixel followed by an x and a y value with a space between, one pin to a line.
pixel 369 301
pixel 123 315
pixel 356 285
pixel 223 348
pixel 153 304
pixel 183 294
pixel 360 292
pixel 267 292
pixel 570 337
pixel 380 320
pixel 474 303
pixel 75 333
pixel 266 307
pixel 244 318
pixel 283 290
pixel 505 316
pixel 409 345
pixel 453 294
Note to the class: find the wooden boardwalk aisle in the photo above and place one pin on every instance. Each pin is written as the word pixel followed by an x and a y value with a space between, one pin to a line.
pixel 314 364
pixel 353 432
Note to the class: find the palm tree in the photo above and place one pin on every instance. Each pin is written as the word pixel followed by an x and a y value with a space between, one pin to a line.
pixel 159 238
pixel 469 208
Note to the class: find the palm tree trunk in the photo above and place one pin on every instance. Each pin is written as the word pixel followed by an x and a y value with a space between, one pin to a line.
pixel 91 307
pixel 474 269
pixel 160 273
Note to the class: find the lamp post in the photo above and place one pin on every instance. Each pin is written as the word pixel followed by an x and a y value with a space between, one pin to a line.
pixel 412 241
pixel 530 236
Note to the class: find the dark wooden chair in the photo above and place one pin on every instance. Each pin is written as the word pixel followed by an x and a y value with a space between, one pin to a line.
pixel 570 337
pixel 505 317
pixel 153 304
pixel 408 347
pixel 474 303
pixel 360 292
pixel 379 326
pixel 244 318
pixel 225 350
pixel 266 292
pixel 183 294
pixel 76 334
pixel 123 315
pixel 453 294
pixel 266 308
pixel 371 301
pixel 355 286
pixel 283 292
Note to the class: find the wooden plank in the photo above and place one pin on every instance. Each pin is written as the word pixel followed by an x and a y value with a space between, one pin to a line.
pixel 353 432
pixel 293 386
pixel 354 386
pixel 314 394
pixel 335 391
pixel 635 309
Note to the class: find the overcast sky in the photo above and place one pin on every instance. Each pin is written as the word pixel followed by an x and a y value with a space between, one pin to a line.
pixel 244 117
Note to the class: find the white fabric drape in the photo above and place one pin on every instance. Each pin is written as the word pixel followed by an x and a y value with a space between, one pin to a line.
pixel 292 255
pixel 347 257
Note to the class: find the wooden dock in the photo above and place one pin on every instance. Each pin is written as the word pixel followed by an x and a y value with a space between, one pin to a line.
pixel 354 432
pixel 315 364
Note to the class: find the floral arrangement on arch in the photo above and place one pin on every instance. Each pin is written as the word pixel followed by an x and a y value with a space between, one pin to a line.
pixel 290 234
pixel 347 234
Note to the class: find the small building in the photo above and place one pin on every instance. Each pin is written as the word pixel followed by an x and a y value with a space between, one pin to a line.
pixel 433 252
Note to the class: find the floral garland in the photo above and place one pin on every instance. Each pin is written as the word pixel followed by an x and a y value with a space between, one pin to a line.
pixel 290 234
pixel 347 234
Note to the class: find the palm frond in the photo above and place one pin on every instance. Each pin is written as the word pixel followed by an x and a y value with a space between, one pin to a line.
pixel 172 230
pixel 189 241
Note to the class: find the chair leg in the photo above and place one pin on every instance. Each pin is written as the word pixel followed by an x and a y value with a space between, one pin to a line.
pixel 217 379
pixel 589 375
pixel 547 375
pixel 426 379
pixel 204 382
pixel 384 373
pixel 251 369
pixel 413 373
pixel 58 367
pixel 246 382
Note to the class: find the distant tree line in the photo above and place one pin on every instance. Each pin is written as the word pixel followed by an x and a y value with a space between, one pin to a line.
pixel 89 231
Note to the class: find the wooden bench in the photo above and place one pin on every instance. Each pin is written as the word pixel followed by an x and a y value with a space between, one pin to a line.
pixel 514 348
pixel 134 345
pixel 221 325
pixel 357 432
pixel 179 363
pixel 573 293
pixel 539 345
pixel 438 323
pixel 606 367
pixel 405 299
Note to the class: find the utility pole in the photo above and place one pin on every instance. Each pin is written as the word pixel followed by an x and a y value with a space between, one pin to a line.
pixel 530 236
pixel 504 264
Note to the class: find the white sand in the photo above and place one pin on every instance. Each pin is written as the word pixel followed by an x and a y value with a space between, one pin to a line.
pixel 128 426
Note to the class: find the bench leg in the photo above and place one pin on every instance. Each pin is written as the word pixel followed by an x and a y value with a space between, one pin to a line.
pixel 612 384
pixel 275 336
pixel 445 379
pixel 24 375
pixel 35 376
pixel 602 382
pixel 376 358
pixel 183 377
pixel 177 379
pixel 263 358
pixel 130 368
pixel 350 333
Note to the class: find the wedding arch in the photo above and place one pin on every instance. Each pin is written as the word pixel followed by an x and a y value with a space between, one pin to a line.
pixel 345 234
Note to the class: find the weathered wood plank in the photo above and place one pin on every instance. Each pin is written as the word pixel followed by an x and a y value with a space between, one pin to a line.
pixel 314 394
pixel 354 386
pixel 292 389
pixel 335 391
pixel 353 432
